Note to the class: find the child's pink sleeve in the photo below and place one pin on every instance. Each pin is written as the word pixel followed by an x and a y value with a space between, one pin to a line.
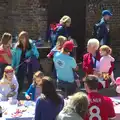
pixel 112 59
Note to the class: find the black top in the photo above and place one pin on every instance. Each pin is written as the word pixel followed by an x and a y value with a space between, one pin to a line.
pixel 22 57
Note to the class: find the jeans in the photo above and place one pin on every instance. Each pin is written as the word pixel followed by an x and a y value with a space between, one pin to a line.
pixel 21 76
pixel 67 87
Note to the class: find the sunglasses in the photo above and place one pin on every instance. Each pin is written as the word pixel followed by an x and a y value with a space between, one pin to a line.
pixel 9 71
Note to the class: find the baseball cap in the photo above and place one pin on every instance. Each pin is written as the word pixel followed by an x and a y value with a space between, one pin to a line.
pixel 106 12
pixel 118 81
pixel 68 45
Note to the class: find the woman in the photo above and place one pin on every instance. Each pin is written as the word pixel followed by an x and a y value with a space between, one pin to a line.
pixel 60 29
pixel 23 54
pixel 92 58
pixel 5 52
pixel 76 108
pixel 50 104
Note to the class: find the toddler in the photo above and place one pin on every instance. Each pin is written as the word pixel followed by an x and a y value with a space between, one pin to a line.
pixel 105 62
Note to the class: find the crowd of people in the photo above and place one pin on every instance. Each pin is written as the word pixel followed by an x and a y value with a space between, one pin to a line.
pixel 22 61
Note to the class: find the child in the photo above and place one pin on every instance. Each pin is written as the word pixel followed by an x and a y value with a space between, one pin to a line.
pixel 105 62
pixel 35 87
pixel 8 84
pixel 60 41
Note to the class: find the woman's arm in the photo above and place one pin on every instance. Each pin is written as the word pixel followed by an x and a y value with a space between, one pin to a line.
pixel 7 58
pixel 85 66
pixel 34 49
pixel 13 58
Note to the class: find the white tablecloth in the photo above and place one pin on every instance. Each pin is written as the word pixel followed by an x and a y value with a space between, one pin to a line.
pixel 27 115
pixel 116 107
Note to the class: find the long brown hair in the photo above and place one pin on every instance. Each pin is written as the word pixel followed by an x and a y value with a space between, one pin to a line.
pixel 49 90
pixel 21 36
pixel 5 38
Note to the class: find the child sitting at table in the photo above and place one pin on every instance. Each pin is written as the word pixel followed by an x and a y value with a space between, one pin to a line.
pixel 60 41
pixel 105 62
pixel 8 84
pixel 35 87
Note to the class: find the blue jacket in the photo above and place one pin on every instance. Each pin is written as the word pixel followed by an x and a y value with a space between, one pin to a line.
pixel 16 54
pixel 60 31
pixel 47 110
pixel 103 32
pixel 31 90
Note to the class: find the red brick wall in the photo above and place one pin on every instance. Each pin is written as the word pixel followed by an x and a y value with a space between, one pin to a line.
pixel 18 15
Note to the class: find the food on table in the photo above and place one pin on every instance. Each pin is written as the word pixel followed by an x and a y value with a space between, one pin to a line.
pixel 21 102
pixel 18 113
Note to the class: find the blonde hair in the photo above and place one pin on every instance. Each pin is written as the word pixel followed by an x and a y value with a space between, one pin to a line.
pixel 38 74
pixel 61 40
pixel 4 74
pixel 94 43
pixel 106 48
pixel 65 19
pixel 78 103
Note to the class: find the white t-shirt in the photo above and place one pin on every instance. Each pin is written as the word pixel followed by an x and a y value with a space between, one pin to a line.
pixel 105 63
pixel 6 88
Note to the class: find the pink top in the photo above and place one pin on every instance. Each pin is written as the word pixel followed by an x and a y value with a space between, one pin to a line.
pixel 105 63
pixel 118 81
pixel 2 51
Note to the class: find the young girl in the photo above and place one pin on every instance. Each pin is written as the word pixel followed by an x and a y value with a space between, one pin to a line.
pixel 5 52
pixel 60 41
pixel 35 87
pixel 8 84
pixel 105 62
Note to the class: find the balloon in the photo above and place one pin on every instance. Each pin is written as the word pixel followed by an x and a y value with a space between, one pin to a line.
pixel 118 89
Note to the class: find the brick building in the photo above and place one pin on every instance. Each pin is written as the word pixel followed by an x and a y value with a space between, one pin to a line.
pixel 18 15
pixel 31 15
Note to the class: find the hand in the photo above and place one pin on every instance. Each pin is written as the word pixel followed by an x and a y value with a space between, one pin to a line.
pixel 28 97
pixel 13 87
pixel 113 83
pixel 27 60
pixel 97 73
pixel 78 83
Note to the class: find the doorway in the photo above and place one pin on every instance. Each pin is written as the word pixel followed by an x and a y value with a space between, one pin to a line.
pixel 76 9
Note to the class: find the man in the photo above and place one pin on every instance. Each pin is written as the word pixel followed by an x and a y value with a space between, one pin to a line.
pixel 101 29
pixel 64 65
pixel 100 107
